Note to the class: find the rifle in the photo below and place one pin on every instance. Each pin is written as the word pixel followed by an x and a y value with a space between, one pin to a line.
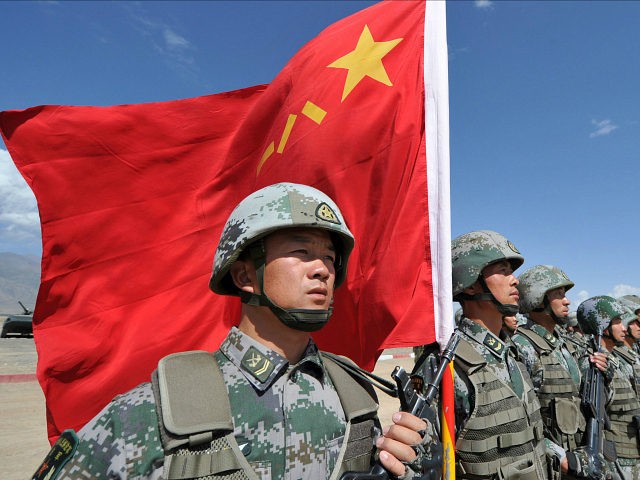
pixel 593 405
pixel 419 405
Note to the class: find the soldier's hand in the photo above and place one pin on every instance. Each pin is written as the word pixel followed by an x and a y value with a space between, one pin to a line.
pixel 396 443
pixel 599 359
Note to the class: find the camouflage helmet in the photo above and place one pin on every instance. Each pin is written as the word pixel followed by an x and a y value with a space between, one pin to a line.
pixel 536 282
pixel 472 252
pixel 278 206
pixel 596 313
pixel 631 301
pixel 628 316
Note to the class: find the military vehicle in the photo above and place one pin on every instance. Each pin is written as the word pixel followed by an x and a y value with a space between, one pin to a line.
pixel 19 324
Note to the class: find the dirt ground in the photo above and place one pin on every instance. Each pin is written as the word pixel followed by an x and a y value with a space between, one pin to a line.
pixel 23 432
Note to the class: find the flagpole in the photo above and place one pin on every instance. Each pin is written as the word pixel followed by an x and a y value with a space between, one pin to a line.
pixel 436 82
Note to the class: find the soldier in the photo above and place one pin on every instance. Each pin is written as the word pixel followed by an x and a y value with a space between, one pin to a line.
pixel 510 325
pixel 267 404
pixel 499 430
pixel 604 312
pixel 552 364
pixel 573 334
pixel 632 302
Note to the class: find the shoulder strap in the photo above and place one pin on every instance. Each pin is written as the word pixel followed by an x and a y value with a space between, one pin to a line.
pixel 356 394
pixel 191 414
pixel 467 358
pixel 627 355
pixel 538 342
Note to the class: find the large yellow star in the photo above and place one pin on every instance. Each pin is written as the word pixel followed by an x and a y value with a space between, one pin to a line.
pixel 365 61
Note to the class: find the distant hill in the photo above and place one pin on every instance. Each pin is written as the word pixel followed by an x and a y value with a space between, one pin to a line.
pixel 19 280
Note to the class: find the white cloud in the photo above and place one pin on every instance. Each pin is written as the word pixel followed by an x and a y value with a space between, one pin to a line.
pixel 175 41
pixel 19 219
pixel 581 296
pixel 603 127
pixel 483 3
pixel 173 47
pixel 622 289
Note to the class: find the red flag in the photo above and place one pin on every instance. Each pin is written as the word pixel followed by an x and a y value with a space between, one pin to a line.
pixel 128 244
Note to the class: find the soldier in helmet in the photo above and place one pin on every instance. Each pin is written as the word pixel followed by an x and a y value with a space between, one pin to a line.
pixel 268 404
pixel 604 317
pixel 510 325
pixel 632 302
pixel 574 334
pixel 552 364
pixel 499 430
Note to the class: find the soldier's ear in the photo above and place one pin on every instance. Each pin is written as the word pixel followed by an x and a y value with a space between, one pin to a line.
pixel 473 289
pixel 243 275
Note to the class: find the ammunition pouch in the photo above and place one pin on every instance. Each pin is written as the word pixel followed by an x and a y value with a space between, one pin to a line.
pixel 519 470
pixel 567 416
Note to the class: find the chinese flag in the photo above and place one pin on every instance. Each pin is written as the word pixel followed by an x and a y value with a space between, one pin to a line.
pixel 133 198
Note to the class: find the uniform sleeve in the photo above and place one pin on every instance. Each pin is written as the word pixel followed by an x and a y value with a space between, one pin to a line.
pixel 121 442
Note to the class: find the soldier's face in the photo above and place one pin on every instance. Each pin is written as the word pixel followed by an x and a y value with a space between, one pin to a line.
pixel 511 323
pixel 558 302
pixel 300 270
pixel 634 329
pixel 617 330
pixel 502 283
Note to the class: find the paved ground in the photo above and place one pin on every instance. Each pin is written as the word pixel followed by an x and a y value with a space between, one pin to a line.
pixel 23 433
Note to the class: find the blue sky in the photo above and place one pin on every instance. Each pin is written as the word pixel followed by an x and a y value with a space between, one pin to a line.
pixel 544 106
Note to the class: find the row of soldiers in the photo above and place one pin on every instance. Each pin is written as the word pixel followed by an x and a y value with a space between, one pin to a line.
pixel 268 404
pixel 520 369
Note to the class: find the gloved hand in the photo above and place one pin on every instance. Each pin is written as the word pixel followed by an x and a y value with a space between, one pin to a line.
pixel 583 465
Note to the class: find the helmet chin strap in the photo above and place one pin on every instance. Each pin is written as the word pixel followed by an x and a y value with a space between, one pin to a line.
pixel 549 311
pixel 303 319
pixel 506 309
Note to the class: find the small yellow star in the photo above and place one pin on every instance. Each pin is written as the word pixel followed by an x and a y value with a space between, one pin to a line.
pixel 365 61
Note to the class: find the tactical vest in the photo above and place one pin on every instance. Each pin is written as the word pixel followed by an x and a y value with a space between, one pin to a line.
pixel 503 437
pixel 621 409
pixel 633 359
pixel 196 425
pixel 575 343
pixel 559 397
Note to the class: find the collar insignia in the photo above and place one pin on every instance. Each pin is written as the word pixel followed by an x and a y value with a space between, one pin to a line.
pixel 493 344
pixel 60 453
pixel 550 338
pixel 257 364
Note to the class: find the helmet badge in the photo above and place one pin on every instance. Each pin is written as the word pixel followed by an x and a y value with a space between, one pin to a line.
pixel 326 213
pixel 512 247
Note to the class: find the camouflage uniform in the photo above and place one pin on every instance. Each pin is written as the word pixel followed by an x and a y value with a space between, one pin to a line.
pixel 275 417
pixel 556 377
pixel 499 430
pixel 576 340
pixel 552 363
pixel 595 316
pixel 621 407
pixel 505 374
pixel 307 420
